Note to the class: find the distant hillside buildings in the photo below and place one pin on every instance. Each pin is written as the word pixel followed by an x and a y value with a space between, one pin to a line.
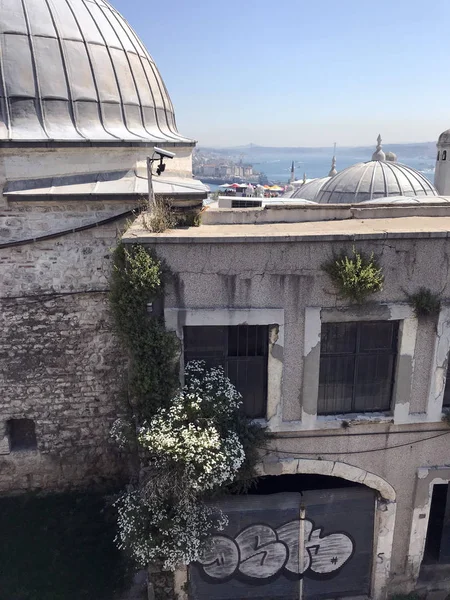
pixel 223 170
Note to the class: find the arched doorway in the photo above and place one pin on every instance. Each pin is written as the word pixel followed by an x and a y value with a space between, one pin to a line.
pixel 301 534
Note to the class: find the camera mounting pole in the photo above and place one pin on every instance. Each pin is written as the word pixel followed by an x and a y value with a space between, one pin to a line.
pixel 158 154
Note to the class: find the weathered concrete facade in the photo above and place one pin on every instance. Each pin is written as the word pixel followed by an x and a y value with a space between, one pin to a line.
pixel 271 273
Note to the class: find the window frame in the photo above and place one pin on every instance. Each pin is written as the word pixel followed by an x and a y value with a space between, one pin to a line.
pixel 177 318
pixel 234 358
pixel 407 333
pixel 354 356
pixel 439 367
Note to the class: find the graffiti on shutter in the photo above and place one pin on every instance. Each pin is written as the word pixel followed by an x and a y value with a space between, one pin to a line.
pixel 267 548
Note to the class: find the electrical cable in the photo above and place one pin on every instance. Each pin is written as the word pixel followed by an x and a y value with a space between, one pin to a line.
pixel 52 236
pixel 50 295
pixel 299 434
pixel 318 453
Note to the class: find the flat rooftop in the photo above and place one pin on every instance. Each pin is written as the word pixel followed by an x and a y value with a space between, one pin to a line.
pixel 373 227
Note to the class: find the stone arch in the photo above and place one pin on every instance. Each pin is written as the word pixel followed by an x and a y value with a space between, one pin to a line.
pixel 385 506
pixel 332 468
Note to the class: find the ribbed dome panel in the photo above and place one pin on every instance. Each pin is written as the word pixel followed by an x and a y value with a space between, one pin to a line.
pixel 74 71
pixel 309 191
pixel 375 179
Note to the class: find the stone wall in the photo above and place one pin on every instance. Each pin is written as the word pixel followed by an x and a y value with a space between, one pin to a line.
pixel 60 362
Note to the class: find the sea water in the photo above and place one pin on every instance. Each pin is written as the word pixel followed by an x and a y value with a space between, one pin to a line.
pixel 276 164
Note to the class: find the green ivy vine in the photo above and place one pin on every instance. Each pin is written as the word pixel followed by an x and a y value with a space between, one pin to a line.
pixel 194 443
pixel 137 281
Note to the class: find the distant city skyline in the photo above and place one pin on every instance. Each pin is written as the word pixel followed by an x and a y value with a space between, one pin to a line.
pixel 301 75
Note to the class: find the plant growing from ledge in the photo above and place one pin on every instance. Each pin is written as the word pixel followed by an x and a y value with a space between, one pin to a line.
pixel 356 276
pixel 162 217
pixel 424 302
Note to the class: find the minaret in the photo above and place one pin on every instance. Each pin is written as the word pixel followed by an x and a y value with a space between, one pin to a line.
pixel 442 172
pixel 378 154
pixel 333 171
pixel 292 178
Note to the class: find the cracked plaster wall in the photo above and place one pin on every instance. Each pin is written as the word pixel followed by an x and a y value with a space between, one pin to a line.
pixel 287 276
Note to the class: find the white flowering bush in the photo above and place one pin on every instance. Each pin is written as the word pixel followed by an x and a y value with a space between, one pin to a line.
pixel 159 531
pixel 195 434
pixel 122 433
pixel 193 449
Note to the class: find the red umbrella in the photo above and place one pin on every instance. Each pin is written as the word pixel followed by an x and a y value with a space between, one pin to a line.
pixel 235 185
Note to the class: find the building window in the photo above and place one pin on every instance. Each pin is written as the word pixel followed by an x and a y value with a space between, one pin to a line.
pixel 437 545
pixel 438 155
pixel 444 154
pixel 242 351
pixel 357 365
pixel 22 434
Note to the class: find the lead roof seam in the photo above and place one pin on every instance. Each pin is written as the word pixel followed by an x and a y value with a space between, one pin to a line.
pixel 401 193
pixel 422 179
pixel 360 180
pixel 122 110
pixel 151 64
pixel 329 190
pixel 129 65
pixel 374 170
pixel 148 83
pixel 121 21
pixel 386 188
pixel 5 99
pixel 411 180
pixel 156 73
pixel 91 65
pixel 66 73
pixel 38 97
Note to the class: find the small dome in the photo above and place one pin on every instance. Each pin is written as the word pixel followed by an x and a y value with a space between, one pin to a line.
pixel 76 72
pixel 309 191
pixel 444 138
pixel 371 180
pixel 391 157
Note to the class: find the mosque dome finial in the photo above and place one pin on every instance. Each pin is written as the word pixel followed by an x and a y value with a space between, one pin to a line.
pixel 333 171
pixel 304 177
pixel 378 154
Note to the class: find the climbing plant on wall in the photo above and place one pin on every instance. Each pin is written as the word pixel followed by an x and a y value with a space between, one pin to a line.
pixel 137 282
pixel 194 442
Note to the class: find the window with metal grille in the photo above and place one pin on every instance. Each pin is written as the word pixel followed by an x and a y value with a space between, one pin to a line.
pixel 357 365
pixel 22 434
pixel 242 352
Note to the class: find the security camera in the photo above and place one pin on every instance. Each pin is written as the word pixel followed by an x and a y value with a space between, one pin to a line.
pixel 164 153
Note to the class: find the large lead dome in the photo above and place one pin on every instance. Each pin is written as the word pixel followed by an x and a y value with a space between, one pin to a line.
pixel 74 71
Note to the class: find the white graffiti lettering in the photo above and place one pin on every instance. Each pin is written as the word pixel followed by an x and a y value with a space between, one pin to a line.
pixel 261 552
pixel 262 555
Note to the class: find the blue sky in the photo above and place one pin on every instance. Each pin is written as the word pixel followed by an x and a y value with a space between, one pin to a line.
pixel 301 73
